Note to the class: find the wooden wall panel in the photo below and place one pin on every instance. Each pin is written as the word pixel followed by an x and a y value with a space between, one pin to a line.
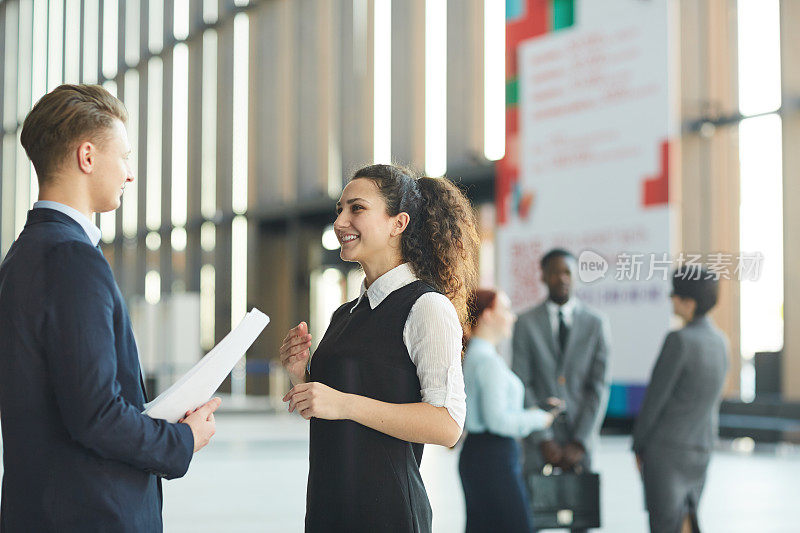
pixel 707 206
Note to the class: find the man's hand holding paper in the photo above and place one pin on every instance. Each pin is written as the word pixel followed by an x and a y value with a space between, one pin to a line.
pixel 193 389
pixel 202 422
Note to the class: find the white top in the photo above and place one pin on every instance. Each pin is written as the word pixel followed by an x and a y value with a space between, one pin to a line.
pixel 432 336
pixel 568 309
pixel 92 231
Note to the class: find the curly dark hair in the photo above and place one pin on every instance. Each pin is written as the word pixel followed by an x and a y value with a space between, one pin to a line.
pixel 441 241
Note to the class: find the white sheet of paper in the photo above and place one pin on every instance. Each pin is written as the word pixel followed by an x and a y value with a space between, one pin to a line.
pixel 198 384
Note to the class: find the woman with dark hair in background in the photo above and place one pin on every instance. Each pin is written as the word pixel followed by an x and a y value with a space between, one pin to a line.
pixel 386 377
pixel 676 427
pixel 491 474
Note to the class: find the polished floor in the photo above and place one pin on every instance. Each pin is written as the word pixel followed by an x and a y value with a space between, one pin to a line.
pixel 252 478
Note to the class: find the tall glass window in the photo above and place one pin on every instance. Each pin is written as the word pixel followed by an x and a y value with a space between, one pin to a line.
pixel 130 200
pixel 132 31
pixel 180 28
pixel 761 175
pixel 155 85
pixel 152 287
pixel 208 135
pixel 494 74
pixel 72 41
pixel 91 21
pixel 39 67
pixel 241 47
pixel 38 75
pixel 10 74
pixel 180 125
pixel 24 60
pixel 110 22
pixel 435 87
pixel 382 112
pixel 24 170
pixel 238 269
pixel 55 41
pixel 155 31
pixel 238 294
pixel 210 11
pixel 207 309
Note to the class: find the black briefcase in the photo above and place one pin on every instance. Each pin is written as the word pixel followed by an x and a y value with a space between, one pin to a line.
pixel 565 500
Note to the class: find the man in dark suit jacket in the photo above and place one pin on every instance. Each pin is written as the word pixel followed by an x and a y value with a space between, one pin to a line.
pixel 79 455
pixel 561 350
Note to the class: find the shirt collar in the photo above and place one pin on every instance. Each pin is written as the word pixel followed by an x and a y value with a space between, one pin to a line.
pixel 92 231
pixel 396 278
pixel 568 308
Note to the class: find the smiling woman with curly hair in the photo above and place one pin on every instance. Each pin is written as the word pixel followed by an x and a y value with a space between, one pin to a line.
pixel 442 242
pixel 386 377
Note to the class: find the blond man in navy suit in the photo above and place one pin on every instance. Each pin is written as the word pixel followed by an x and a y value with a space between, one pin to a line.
pixel 78 454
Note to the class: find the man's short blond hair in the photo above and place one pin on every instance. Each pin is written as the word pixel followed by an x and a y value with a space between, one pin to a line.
pixel 63 119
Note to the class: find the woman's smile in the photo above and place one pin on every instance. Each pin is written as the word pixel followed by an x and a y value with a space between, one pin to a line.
pixel 346 238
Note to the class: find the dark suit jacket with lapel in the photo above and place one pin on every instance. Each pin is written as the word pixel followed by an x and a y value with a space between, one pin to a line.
pixel 78 454
pixel 579 376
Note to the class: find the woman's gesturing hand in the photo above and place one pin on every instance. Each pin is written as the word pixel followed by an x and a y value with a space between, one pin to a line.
pixel 317 400
pixel 295 352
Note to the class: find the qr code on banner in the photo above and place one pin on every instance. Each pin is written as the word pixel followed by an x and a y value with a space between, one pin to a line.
pixel 526 273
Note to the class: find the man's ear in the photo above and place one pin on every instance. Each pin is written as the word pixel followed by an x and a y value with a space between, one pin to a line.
pixel 86 157
pixel 401 223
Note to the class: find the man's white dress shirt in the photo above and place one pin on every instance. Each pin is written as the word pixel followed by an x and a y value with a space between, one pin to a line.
pixel 568 309
pixel 92 231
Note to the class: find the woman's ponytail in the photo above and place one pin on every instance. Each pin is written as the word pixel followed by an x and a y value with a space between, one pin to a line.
pixel 443 246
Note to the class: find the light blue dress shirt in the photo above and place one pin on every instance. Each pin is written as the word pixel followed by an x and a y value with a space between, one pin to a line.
pixel 495 395
pixel 92 231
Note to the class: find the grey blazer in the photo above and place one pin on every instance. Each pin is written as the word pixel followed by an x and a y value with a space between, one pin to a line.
pixel 580 377
pixel 682 400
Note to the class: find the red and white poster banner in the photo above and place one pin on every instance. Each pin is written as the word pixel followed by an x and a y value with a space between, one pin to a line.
pixel 596 121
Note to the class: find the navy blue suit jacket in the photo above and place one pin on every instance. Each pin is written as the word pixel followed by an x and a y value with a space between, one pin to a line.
pixel 78 455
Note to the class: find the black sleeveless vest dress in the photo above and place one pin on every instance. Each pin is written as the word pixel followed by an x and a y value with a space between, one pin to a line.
pixel 361 480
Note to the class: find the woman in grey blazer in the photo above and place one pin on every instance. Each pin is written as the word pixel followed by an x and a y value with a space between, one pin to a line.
pixel 676 427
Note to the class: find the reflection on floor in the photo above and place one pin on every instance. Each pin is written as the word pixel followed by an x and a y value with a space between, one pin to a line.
pixel 252 478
